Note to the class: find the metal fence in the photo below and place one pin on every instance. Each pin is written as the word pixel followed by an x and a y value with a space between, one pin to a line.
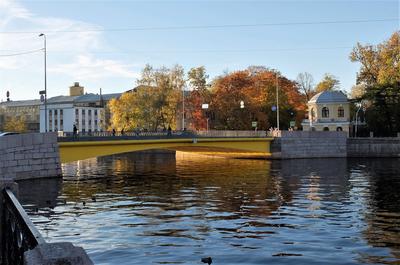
pixel 18 232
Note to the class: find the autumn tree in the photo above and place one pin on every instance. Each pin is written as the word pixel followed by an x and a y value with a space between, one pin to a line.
pixel 15 124
pixel 256 87
pixel 328 83
pixel 199 94
pixel 380 64
pixel 379 75
pixel 305 82
pixel 153 104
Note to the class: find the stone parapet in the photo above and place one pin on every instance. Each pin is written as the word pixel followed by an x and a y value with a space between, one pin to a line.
pixel 25 156
pixel 373 147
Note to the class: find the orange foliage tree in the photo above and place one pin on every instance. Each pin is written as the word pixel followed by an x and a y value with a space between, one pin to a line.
pixel 256 87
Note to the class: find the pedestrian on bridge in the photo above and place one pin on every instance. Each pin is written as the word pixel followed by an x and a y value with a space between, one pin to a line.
pixel 113 132
pixel 75 131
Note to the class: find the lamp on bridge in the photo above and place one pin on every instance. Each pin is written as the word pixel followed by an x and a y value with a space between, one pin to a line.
pixel 205 106
pixel 45 80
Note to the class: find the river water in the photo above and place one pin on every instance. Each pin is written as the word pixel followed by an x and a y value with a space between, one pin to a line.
pixel 162 208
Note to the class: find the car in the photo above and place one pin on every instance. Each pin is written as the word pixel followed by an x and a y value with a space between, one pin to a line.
pixel 7 133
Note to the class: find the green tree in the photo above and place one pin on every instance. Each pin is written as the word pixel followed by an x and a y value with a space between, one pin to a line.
pixel 328 83
pixel 379 76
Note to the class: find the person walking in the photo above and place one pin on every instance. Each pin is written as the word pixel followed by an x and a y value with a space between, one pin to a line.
pixel 113 132
pixel 75 131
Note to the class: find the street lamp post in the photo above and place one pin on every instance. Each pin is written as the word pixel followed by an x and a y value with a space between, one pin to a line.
pixel 205 107
pixel 277 102
pixel 45 81
pixel 358 110
pixel 183 107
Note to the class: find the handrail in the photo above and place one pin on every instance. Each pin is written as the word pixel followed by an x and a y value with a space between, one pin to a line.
pixel 18 232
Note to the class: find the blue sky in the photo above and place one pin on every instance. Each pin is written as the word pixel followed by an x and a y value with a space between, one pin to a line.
pixel 113 60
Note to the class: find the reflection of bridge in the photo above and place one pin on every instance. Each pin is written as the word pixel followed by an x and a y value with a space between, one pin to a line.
pixel 227 143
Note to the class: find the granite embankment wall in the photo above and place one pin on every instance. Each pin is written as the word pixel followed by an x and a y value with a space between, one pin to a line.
pixel 373 147
pixel 311 144
pixel 27 156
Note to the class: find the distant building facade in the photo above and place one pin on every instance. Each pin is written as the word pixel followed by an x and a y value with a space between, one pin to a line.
pixel 26 109
pixel 88 112
pixel 328 111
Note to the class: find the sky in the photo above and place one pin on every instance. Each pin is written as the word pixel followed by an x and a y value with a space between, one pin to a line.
pixel 105 44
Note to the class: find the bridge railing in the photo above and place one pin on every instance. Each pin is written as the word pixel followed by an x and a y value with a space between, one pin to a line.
pixel 22 243
pixel 18 232
pixel 231 133
pixel 163 134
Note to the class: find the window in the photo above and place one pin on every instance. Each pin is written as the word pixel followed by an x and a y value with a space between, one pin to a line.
pixel 90 112
pixel 340 112
pixel 95 112
pixel 325 112
pixel 83 112
pixel 55 112
pixel 50 118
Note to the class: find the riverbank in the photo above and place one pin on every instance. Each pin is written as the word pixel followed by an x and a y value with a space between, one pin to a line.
pixel 313 144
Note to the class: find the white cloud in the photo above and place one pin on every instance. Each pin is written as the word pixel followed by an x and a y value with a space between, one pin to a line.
pixel 68 51
pixel 88 68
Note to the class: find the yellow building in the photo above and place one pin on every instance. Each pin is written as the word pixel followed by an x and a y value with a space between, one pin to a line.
pixel 328 111
pixel 26 109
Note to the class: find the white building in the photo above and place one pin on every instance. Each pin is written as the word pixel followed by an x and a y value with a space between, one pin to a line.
pixel 328 111
pixel 86 111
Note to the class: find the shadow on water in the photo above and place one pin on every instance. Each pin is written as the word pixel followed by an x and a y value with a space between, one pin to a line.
pixel 166 208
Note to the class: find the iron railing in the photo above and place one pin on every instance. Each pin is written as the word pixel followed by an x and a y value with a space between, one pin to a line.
pixel 94 136
pixel 18 232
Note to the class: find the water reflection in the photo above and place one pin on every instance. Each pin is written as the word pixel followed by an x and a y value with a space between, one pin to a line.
pixel 158 207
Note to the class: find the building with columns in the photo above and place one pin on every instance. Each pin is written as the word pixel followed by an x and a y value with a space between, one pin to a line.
pixel 87 111
pixel 328 111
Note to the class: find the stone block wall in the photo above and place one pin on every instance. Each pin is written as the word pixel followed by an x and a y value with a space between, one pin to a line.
pixel 313 144
pixel 373 147
pixel 26 156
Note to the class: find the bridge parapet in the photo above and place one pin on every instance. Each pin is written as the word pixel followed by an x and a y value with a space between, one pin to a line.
pixel 148 135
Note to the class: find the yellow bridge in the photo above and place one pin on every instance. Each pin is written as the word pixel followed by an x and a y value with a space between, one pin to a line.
pixel 233 147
